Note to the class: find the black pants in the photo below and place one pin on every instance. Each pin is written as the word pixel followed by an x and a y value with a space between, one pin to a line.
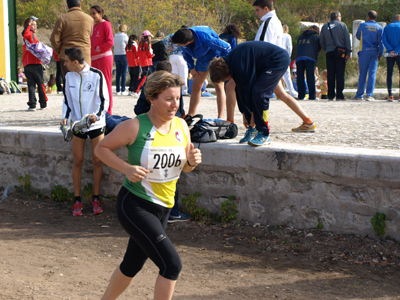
pixel 336 68
pixel 59 77
pixel 34 76
pixel 259 102
pixel 390 65
pixel 134 72
pixel 146 71
pixel 146 222
pixel 309 67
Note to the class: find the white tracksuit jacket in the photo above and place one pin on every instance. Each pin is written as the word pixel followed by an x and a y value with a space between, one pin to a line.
pixel 86 93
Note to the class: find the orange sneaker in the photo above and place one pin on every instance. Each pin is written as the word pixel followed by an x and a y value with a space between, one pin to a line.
pixel 97 209
pixel 305 128
pixel 390 99
pixel 77 209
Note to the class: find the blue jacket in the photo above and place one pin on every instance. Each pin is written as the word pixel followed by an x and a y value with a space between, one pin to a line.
pixel 206 46
pixel 370 35
pixel 249 60
pixel 391 37
pixel 229 39
pixel 308 45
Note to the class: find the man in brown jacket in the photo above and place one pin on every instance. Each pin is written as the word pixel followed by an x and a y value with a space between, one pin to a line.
pixel 72 29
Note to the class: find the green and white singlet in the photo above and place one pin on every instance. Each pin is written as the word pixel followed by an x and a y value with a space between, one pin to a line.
pixel 163 155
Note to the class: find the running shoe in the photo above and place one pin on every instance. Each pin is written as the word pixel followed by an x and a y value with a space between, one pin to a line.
pixel 305 128
pixel 356 98
pixel 390 99
pixel 97 209
pixel 78 126
pixel 77 209
pixel 249 135
pixel 179 218
pixel 67 133
pixel 31 108
pixel 369 98
pixel 260 140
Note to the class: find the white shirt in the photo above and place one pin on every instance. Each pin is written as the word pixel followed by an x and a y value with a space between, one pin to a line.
pixel 120 42
pixel 274 31
pixel 287 43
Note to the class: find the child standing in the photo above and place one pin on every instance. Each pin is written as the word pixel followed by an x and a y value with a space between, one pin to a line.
pixel 145 56
pixel 323 94
pixel 83 79
pixel 133 64
pixel 21 76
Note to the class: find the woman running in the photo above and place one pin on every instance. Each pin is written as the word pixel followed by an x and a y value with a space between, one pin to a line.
pixel 159 148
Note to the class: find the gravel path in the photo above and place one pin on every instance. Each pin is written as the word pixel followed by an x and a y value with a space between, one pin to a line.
pixel 357 124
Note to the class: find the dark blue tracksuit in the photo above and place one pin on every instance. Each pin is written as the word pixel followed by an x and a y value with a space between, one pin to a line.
pixel 256 67
pixel 371 47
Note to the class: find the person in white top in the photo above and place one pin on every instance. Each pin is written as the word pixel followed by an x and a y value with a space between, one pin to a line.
pixel 271 31
pixel 120 42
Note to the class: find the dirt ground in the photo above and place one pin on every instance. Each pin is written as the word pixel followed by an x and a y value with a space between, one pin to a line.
pixel 47 254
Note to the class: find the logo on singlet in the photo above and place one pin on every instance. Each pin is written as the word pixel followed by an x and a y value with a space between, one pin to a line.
pixel 149 138
pixel 178 136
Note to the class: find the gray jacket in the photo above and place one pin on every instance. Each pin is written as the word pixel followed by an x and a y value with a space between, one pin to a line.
pixel 340 34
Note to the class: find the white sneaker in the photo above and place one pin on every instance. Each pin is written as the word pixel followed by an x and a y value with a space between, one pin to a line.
pixel 118 93
pixel 124 94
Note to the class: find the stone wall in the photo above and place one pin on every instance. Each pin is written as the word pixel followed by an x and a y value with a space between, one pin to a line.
pixel 281 184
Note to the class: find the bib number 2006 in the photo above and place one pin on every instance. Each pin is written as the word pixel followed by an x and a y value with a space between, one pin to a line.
pixel 165 163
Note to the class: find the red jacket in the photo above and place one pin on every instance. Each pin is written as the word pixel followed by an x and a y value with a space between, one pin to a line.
pixel 132 56
pixel 27 57
pixel 145 56
pixel 102 37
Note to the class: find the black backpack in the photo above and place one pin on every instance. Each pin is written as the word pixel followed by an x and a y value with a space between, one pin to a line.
pixel 206 131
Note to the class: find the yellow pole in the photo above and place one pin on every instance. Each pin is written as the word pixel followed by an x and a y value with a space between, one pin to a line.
pixel 4 41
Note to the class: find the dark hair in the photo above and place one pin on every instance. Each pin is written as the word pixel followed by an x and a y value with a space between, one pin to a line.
pixel 184 27
pixel 142 44
pixel 75 54
pixel 334 15
pixel 219 70
pixel 100 10
pixel 182 36
pixel 52 80
pixel 264 3
pixel 26 22
pixel 73 3
pixel 232 30
pixel 164 66
pixel 314 28
pixel 132 37
pixel 372 14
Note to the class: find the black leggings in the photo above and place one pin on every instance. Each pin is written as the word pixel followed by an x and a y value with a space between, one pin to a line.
pixel 146 222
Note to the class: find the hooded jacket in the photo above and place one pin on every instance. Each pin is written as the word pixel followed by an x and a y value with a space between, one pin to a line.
pixel 86 93
pixel 308 45
pixel 206 46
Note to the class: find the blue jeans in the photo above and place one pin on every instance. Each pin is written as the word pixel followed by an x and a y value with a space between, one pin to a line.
pixel 122 68
pixel 367 63
pixel 309 67
pixel 390 65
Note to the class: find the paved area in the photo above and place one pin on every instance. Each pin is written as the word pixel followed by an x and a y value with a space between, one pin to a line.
pixel 356 124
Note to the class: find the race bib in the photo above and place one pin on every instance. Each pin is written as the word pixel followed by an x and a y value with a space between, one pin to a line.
pixel 165 163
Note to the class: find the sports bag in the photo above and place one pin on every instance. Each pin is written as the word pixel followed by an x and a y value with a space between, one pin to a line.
pixel 206 131
pixel 41 51
pixel 14 88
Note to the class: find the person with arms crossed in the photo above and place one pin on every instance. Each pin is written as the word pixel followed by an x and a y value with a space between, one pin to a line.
pixel 371 50
pixel 85 93
pixel 391 40
pixel 159 148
